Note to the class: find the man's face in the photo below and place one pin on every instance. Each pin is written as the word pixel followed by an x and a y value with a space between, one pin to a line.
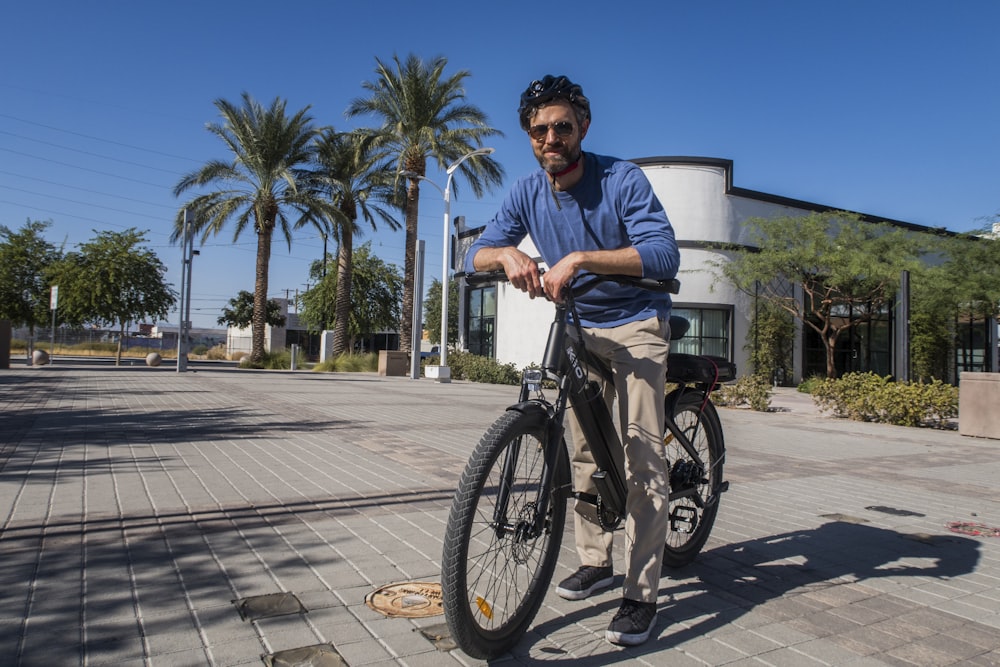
pixel 553 151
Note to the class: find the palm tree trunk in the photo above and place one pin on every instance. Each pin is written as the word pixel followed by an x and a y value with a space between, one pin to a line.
pixel 259 320
pixel 118 350
pixel 412 208
pixel 342 307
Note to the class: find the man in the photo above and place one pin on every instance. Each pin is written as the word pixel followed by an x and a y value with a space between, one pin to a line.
pixel 596 214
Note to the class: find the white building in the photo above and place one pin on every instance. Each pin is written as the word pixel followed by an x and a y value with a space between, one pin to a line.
pixel 706 210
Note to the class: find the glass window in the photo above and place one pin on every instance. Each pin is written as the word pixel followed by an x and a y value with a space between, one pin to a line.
pixel 709 332
pixel 482 313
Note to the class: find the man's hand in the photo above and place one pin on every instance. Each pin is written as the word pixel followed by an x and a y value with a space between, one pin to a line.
pixel 521 270
pixel 559 277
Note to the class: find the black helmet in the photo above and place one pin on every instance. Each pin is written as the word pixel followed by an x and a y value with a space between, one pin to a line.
pixel 551 88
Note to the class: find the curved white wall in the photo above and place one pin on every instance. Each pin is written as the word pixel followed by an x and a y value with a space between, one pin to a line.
pixel 693 192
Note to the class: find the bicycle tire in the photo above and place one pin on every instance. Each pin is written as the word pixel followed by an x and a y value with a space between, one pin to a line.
pixel 695 515
pixel 493 581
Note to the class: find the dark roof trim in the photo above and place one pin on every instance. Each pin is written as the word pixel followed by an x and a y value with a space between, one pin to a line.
pixel 727 166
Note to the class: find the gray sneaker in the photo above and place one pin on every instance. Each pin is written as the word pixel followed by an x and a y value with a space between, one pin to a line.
pixel 632 623
pixel 585 582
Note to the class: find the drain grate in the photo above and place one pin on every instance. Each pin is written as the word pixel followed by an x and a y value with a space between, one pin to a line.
pixel 414 599
pixel 318 655
pixel 266 606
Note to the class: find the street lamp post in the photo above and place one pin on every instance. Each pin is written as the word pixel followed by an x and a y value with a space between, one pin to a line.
pixel 443 373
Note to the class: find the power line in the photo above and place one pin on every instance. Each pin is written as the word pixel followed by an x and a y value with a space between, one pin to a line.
pixel 78 150
pixel 101 139
pixel 94 171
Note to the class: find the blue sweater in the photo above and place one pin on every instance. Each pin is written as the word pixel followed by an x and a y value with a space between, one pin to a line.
pixel 613 206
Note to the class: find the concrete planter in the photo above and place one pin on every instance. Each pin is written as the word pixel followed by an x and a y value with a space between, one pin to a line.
pixel 979 405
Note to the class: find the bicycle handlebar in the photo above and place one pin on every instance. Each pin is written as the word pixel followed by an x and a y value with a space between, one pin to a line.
pixel 589 281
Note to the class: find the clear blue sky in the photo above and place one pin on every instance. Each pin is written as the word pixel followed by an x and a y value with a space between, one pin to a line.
pixel 885 107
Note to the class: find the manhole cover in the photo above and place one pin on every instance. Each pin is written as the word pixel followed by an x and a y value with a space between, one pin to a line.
pixel 974 529
pixel 266 606
pixel 414 599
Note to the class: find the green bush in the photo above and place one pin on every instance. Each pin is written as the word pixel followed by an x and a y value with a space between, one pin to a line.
pixel 873 398
pixel 217 352
pixel 349 363
pixel 200 350
pixel 472 367
pixel 808 386
pixel 274 361
pixel 751 390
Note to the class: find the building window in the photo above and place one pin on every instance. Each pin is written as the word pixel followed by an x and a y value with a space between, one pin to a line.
pixel 482 315
pixel 709 332
pixel 864 347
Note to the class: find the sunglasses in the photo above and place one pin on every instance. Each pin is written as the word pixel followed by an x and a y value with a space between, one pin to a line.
pixel 563 129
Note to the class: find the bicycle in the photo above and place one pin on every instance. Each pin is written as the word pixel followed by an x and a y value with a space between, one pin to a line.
pixel 506 523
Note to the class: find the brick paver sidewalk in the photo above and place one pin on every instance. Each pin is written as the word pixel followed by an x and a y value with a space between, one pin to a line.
pixel 137 504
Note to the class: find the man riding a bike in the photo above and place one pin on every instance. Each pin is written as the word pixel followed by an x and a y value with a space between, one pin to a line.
pixel 588 213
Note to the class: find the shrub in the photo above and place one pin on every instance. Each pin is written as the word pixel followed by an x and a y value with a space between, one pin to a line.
pixel 274 361
pixel 217 352
pixel 465 366
pixel 751 390
pixel 349 363
pixel 809 385
pixel 200 350
pixel 873 398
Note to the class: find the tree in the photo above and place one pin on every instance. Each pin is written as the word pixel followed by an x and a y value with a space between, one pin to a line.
pixel 240 312
pixel 112 280
pixel 359 183
pixel 432 311
pixel 771 342
pixel 25 258
pixel 966 286
pixel 259 186
pixel 847 269
pixel 425 117
pixel 375 296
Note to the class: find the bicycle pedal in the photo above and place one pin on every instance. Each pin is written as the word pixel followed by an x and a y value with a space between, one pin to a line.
pixel 683 519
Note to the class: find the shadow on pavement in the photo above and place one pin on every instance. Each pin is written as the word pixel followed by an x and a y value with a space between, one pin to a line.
pixel 727 582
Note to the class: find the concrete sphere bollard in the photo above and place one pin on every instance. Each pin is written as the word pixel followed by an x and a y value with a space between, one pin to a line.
pixel 153 359
pixel 39 358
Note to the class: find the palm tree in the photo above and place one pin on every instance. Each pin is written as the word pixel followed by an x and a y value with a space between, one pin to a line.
pixel 424 116
pixel 358 181
pixel 258 186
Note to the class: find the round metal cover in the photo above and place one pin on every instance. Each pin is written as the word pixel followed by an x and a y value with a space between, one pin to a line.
pixel 413 599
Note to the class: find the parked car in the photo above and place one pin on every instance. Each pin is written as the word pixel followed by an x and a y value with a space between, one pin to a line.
pixel 435 352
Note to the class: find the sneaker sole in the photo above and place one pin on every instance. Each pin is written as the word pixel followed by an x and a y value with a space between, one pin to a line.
pixel 601 584
pixel 626 639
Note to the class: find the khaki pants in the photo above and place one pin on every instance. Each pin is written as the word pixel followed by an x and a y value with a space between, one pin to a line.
pixel 637 354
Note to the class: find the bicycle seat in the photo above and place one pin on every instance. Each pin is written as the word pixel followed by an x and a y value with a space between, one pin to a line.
pixel 678 327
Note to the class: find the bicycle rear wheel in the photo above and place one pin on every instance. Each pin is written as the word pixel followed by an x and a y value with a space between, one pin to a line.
pixel 495 569
pixel 697 473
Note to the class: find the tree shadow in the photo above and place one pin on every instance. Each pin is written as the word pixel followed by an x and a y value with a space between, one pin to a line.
pixel 729 581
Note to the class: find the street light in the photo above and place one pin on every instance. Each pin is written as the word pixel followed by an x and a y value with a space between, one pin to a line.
pixel 443 372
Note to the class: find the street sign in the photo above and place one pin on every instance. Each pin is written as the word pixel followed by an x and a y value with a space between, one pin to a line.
pixel 54 297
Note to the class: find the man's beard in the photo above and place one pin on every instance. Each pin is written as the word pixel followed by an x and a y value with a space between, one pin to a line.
pixel 555 165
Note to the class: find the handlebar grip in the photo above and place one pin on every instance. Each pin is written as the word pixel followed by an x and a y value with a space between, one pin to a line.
pixel 672 286
pixel 481 277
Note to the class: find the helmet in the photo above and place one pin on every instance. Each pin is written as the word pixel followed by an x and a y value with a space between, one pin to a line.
pixel 551 88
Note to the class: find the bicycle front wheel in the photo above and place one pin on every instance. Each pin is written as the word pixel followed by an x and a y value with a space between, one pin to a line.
pixel 497 563
pixel 696 473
